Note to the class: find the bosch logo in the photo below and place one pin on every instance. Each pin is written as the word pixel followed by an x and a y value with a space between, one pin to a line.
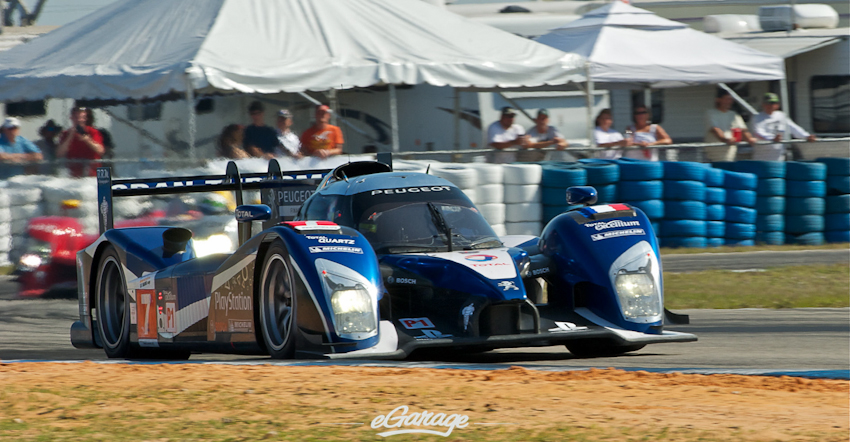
pixel 480 258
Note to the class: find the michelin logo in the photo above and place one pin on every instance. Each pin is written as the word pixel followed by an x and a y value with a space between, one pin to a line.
pixel 617 233
pixel 337 249
pixel 605 225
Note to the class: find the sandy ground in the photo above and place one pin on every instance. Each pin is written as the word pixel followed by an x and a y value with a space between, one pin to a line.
pixel 590 405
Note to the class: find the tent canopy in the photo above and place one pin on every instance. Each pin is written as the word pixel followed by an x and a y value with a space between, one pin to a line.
pixel 146 48
pixel 633 46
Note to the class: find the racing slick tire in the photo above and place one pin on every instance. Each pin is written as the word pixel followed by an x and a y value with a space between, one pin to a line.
pixel 277 302
pixel 593 348
pixel 113 306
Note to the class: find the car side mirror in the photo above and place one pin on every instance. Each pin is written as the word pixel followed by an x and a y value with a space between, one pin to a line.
pixel 253 212
pixel 581 195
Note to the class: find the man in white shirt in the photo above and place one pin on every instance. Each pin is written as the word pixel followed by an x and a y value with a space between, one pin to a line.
pixel 769 125
pixel 539 136
pixel 505 134
pixel 289 142
pixel 724 126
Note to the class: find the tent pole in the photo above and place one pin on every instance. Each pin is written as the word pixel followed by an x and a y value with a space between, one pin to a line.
pixel 783 100
pixel 647 98
pixel 457 119
pixel 589 93
pixel 394 117
pixel 190 102
pixel 334 105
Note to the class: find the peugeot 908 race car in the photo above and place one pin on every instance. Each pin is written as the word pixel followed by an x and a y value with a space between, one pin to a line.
pixel 375 264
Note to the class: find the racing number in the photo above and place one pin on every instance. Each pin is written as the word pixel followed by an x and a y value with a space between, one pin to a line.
pixel 147 314
pixel 416 323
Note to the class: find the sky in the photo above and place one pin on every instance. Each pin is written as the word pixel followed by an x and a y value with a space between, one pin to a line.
pixel 60 12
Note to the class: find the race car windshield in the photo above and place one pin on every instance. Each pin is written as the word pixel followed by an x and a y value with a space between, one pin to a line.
pixel 406 223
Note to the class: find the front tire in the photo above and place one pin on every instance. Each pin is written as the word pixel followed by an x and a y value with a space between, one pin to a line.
pixel 113 305
pixel 277 301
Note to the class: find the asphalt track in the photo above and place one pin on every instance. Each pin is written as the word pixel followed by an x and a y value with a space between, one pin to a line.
pixel 809 342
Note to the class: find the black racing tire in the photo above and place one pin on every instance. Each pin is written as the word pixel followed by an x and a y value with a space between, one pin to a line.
pixel 112 305
pixel 594 348
pixel 277 302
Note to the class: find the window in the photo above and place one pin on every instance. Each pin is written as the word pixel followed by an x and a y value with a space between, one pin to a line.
pixel 205 106
pixel 657 109
pixel 830 99
pixel 26 109
pixel 144 111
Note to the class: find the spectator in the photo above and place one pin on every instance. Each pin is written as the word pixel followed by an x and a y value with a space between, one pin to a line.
pixel 646 134
pixel 108 145
pixel 724 126
pixel 230 143
pixel 607 137
pixel 81 142
pixel 259 140
pixel 47 145
pixel 769 125
pixel 322 139
pixel 288 143
pixel 539 136
pixel 15 149
pixel 505 134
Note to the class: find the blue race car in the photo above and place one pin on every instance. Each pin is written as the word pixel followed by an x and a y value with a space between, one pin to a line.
pixel 373 264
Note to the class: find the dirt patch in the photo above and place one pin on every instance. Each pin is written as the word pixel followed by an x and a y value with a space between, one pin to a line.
pixel 219 402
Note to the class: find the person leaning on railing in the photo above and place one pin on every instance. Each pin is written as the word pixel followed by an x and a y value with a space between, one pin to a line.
pixel 645 134
pixel 15 149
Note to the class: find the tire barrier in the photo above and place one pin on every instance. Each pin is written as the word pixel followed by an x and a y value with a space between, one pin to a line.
pixel 762 169
pixel 683 241
pixel 684 190
pixel 800 224
pixel 490 194
pixel 684 171
pixel 606 193
pixel 774 205
pixel 740 230
pixel 808 239
pixel 739 180
pixel 715 212
pixel 556 179
pixel 523 193
pixel 653 209
pixel 523 228
pixel 837 235
pixel 771 187
pixel 739 242
pixel 715 229
pixel 838 204
pixel 682 227
pixel 714 242
pixel 805 189
pixel 715 195
pixel 770 238
pixel 601 171
pixel 640 190
pixel 805 171
pixel 837 185
pixel 836 221
pixel 494 213
pixel 805 206
pixel 742 198
pixel 640 170
pixel 694 210
pixel 714 177
pixel 836 166
pixel 770 223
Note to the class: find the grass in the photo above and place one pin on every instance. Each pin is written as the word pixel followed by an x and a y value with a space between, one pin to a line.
pixel 784 287
pixel 758 248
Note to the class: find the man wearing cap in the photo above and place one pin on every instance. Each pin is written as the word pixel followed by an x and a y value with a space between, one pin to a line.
pixel 322 139
pixel 769 125
pixel 259 140
pixel 505 134
pixel 15 149
pixel 539 136
pixel 288 143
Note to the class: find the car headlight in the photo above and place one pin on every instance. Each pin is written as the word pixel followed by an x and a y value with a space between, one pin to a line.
pixel 218 243
pixel 524 265
pixel 638 295
pixel 353 311
pixel 31 261
pixel 353 300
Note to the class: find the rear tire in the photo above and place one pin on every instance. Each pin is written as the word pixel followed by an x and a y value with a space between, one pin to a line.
pixel 595 348
pixel 277 302
pixel 113 305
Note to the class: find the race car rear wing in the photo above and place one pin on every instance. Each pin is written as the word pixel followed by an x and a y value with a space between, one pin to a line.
pixel 282 192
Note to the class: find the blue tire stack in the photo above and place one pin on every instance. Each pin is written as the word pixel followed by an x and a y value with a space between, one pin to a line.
pixel 603 175
pixel 715 200
pixel 641 186
pixel 805 205
pixel 770 199
pixel 685 210
pixel 740 208
pixel 557 177
pixel 837 218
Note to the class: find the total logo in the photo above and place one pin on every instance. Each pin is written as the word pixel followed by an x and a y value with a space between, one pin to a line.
pixel 481 258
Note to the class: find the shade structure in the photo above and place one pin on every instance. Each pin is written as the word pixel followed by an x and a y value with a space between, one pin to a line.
pixel 631 46
pixel 147 48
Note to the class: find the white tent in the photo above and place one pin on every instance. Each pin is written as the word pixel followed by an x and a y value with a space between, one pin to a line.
pixel 145 48
pixel 625 44
pixel 629 47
